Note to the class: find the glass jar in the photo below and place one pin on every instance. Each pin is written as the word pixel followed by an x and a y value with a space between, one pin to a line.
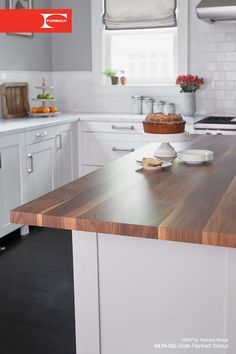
pixel 169 108
pixel 158 106
pixel 137 104
pixel 147 105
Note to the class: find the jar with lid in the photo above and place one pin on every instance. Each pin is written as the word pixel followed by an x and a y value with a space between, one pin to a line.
pixel 137 104
pixel 158 106
pixel 169 108
pixel 147 105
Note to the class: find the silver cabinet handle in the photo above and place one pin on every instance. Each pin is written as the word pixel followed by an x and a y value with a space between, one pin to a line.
pixel 59 136
pixel 124 150
pixel 41 135
pixel 122 128
pixel 31 169
pixel 0 161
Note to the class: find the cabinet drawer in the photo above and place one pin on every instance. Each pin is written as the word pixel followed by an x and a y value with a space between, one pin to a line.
pixel 111 127
pixel 38 135
pixel 102 148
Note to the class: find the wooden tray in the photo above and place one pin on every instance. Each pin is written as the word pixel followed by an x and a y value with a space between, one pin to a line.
pixel 15 99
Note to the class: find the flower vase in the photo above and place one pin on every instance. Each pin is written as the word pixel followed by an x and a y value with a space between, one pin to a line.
pixel 188 103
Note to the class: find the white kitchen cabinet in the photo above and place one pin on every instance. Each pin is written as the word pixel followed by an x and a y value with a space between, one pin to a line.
pixel 11 186
pixel 103 142
pixel 64 155
pixel 40 168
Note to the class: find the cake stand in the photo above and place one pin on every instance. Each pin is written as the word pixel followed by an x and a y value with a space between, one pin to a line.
pixel 166 149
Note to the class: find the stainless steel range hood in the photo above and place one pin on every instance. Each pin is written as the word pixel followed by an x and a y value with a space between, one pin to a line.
pixel 217 10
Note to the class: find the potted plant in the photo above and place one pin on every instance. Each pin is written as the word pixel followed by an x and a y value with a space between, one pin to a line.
pixel 109 72
pixel 189 84
pixel 123 79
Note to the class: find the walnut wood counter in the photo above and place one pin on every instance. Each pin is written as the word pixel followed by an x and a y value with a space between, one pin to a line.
pixel 186 203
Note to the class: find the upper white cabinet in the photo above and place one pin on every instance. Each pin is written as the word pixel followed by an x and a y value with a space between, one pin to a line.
pixel 11 176
pixel 64 152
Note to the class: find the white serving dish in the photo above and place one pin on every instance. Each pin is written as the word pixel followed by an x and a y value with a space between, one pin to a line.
pixel 196 156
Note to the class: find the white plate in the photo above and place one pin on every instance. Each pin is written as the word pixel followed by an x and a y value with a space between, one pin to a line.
pixel 195 156
pixel 164 165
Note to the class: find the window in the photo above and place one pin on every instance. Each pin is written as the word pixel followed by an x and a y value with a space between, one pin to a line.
pixel 161 53
pixel 146 56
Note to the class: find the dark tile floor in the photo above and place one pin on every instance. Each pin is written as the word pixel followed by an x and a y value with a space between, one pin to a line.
pixel 36 294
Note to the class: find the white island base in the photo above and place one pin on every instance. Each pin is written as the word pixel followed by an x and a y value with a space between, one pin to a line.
pixel 137 296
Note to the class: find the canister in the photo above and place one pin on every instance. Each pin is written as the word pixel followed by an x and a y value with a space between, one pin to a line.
pixel 147 105
pixel 158 106
pixel 137 104
pixel 169 108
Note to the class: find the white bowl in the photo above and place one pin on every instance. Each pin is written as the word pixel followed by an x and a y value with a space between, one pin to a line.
pixel 195 156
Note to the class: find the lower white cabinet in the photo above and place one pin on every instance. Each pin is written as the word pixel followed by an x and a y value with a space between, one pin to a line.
pixel 101 143
pixel 11 176
pixel 32 164
pixel 64 155
pixel 40 172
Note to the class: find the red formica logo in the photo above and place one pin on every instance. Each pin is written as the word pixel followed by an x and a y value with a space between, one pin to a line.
pixel 36 21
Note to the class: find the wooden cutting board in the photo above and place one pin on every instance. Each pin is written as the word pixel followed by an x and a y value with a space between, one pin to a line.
pixel 15 99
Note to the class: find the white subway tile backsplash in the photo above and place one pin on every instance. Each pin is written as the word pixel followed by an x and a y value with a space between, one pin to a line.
pixel 225 85
pixel 226 47
pixel 231 75
pixel 231 56
pixel 229 66
pixel 231 95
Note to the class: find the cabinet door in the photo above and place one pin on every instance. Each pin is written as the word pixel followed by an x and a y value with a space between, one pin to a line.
pixel 11 191
pixel 40 168
pixel 63 155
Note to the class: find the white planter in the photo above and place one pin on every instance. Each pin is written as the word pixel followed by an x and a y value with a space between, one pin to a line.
pixel 188 103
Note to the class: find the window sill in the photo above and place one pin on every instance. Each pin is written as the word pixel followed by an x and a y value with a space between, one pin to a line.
pixel 136 89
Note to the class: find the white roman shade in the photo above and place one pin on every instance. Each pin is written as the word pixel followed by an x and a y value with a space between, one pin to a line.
pixel 134 14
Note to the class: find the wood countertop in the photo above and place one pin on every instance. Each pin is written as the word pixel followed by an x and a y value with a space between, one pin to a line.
pixel 185 203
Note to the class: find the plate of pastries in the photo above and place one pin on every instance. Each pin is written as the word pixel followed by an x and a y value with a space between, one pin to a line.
pixel 160 123
pixel 153 163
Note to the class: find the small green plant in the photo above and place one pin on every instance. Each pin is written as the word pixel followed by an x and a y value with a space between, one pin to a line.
pixel 122 73
pixel 109 72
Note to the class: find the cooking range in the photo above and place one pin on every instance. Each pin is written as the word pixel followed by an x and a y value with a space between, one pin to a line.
pixel 216 125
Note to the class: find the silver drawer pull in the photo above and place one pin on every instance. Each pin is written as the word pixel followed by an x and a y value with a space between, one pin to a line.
pixel 123 150
pixel 31 169
pixel 41 135
pixel 0 161
pixel 123 128
pixel 59 146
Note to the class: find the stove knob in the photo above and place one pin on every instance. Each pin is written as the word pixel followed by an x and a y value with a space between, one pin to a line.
pixel 218 133
pixel 208 133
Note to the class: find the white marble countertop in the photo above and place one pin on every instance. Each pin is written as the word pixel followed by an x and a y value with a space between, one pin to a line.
pixel 11 126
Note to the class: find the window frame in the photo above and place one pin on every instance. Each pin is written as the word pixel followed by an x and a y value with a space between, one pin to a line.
pixel 99 52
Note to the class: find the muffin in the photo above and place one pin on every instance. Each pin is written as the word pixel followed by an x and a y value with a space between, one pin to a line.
pixel 159 123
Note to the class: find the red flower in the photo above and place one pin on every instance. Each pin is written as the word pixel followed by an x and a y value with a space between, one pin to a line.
pixel 189 83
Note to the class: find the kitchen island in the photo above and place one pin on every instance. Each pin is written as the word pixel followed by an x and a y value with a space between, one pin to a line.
pixel 135 291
